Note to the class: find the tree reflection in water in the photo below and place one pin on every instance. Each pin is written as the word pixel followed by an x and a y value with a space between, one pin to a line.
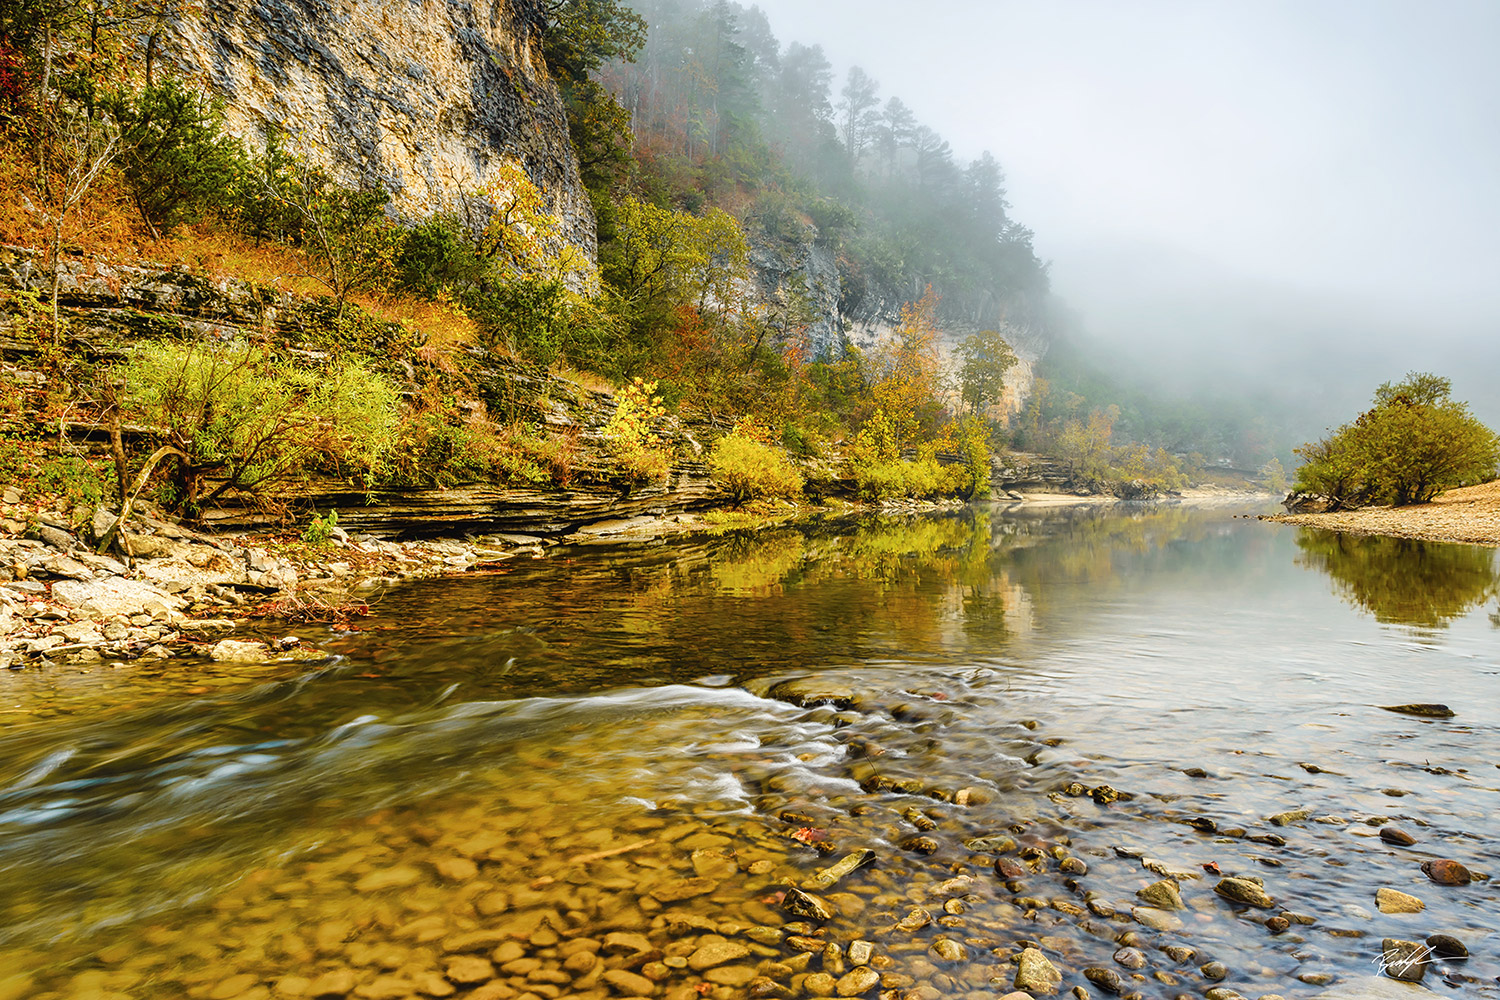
pixel 1402 581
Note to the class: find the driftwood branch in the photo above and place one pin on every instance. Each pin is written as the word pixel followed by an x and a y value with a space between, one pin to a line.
pixel 128 499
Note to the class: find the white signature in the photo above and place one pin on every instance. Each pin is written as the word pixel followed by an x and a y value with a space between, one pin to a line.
pixel 1399 964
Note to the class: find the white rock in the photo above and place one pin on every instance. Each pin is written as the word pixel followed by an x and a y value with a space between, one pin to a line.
pixel 108 598
pixel 239 651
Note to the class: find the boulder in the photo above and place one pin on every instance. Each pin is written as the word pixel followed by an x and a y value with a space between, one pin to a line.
pixel 110 597
pixel 1036 974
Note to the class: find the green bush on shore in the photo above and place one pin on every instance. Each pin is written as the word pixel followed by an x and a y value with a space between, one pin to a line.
pixel 748 467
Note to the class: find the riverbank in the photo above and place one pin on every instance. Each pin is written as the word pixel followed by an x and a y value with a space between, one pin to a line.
pixel 186 593
pixel 1470 514
pixel 572 775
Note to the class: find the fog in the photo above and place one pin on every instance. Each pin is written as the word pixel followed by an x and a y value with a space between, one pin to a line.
pixel 1301 196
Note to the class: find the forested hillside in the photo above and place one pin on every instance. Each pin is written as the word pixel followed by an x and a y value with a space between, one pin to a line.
pixel 722 113
pixel 752 214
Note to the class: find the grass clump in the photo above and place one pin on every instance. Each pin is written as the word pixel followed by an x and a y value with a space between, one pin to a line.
pixel 748 467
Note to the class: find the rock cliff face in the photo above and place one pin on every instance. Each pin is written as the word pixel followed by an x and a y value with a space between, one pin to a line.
pixel 840 311
pixel 425 98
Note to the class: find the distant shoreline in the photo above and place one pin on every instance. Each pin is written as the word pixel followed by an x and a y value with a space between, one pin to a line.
pixel 1470 514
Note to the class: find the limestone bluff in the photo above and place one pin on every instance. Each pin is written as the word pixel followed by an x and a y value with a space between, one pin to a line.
pixel 424 98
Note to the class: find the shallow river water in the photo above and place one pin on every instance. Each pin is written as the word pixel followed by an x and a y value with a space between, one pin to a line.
pixel 601 772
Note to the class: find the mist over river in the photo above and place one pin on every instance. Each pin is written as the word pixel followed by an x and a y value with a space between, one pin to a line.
pixel 606 771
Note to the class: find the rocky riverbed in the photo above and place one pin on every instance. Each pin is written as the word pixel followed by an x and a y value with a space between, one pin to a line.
pixel 182 593
pixel 837 876
pixel 906 772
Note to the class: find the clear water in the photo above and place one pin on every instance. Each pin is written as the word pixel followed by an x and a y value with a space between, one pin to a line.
pixel 555 753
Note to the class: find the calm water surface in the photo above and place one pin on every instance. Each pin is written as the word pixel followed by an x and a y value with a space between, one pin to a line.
pixel 598 773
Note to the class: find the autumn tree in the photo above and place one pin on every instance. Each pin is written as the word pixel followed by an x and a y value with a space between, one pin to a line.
pixel 1411 445
pixel 904 375
pixel 984 358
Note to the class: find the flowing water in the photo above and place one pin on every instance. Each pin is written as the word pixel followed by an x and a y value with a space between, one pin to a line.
pixel 599 773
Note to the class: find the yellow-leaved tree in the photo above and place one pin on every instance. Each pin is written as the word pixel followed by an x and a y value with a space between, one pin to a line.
pixel 526 240
pixel 904 374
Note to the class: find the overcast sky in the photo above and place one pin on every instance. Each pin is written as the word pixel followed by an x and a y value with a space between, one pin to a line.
pixel 1242 186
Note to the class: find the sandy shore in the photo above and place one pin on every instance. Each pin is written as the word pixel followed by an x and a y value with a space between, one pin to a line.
pixel 1470 514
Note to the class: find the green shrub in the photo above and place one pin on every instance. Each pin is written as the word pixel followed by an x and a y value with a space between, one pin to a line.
pixel 899 478
pixel 749 468
pixel 319 530
pixel 441 443
pixel 178 160
pixel 234 412
pixel 1411 445
pixel 438 255
pixel 76 479
pixel 527 317
pixel 343 230
pixel 633 444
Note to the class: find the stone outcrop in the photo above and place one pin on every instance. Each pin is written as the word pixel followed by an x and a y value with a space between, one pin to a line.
pixel 425 98
pixel 108 306
pixel 844 308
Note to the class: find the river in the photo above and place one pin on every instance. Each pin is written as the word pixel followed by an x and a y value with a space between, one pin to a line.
pixel 599 773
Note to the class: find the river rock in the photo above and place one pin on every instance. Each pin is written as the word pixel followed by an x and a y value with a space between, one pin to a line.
pixel 677 889
pixel 469 970
pixel 713 863
pixel 1289 817
pixel 233 986
pixel 857 982
pixel 1214 970
pixel 1035 973
pixel 626 943
pixel 1242 890
pixel 826 877
pixel 1106 979
pixel 1403 960
pixel 1392 901
pixel 915 919
pixel 860 952
pixel 334 983
pixel 398 877
pixel 457 869
pixel 819 984
pixel 1009 868
pixel 239 651
pixel 1446 872
pixel 56 537
pixel 628 983
pixel 1164 895
pixel 809 907
pixel 734 976
pixel 1156 919
pixel 1447 946
pixel 812 691
pixel 110 597
pixel 1131 958
pixel 1428 710
pixel 1073 866
pixel 998 844
pixel 714 952
pixel 762 987
pixel 1397 836
pixel 948 950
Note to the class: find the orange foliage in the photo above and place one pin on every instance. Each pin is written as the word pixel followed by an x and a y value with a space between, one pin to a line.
pixel 104 224
pixel 905 373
